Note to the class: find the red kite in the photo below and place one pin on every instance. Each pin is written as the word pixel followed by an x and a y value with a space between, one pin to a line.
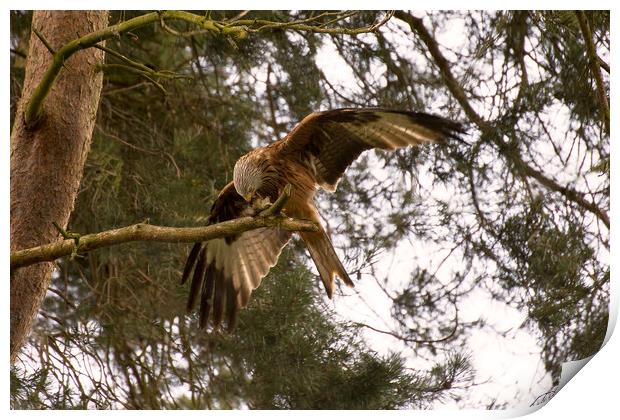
pixel 315 154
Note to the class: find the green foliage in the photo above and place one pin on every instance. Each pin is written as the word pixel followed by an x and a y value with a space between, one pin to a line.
pixel 299 358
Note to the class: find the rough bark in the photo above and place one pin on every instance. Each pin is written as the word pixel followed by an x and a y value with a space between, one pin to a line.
pixel 47 159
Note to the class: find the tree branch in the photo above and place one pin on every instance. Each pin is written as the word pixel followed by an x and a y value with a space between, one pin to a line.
pixel 166 74
pixel 43 40
pixel 302 25
pixel 236 28
pixel 603 64
pixel 33 110
pixel 74 243
pixel 595 66
pixel 152 233
pixel 417 26
pixel 143 74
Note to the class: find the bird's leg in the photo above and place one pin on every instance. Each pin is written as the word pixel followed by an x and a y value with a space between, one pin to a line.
pixel 69 235
pixel 276 208
pixel 261 204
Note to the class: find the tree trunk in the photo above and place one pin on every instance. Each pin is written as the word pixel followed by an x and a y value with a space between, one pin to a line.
pixel 47 160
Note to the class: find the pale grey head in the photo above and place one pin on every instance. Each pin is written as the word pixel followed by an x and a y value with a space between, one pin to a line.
pixel 247 176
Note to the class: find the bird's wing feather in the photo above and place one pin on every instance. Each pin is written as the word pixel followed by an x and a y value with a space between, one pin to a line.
pixel 332 140
pixel 227 270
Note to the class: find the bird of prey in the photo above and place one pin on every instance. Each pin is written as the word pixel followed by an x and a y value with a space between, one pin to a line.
pixel 315 154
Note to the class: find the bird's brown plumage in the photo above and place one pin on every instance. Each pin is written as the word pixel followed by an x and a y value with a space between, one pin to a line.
pixel 316 153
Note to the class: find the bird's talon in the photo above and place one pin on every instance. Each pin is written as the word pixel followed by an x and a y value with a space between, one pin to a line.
pixel 262 204
pixel 69 235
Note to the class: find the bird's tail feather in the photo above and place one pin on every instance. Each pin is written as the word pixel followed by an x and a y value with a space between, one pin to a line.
pixel 327 262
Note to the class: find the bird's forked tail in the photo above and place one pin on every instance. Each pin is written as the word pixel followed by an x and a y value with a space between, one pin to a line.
pixel 327 262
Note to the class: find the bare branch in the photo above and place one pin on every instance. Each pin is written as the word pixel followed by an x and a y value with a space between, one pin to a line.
pixel 417 26
pixel 74 243
pixel 33 110
pixel 141 67
pixel 43 40
pixel 603 64
pixel 152 233
pixel 239 16
pixel 255 25
pixel 131 69
pixel 237 29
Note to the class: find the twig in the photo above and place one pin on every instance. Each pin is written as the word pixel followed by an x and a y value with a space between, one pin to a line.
pixel 417 26
pixel 237 29
pixel 271 101
pixel 337 19
pixel 174 32
pixel 68 236
pixel 19 53
pixel 407 339
pixel 121 57
pixel 302 25
pixel 338 93
pixel 46 43
pixel 126 143
pixel 33 109
pixel 239 16
pixel 140 73
pixel 43 40
pixel 603 64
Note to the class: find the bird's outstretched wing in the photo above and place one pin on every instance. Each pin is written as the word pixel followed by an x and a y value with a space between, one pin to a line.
pixel 226 270
pixel 332 140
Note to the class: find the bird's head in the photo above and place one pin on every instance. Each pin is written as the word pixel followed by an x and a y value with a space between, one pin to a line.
pixel 247 177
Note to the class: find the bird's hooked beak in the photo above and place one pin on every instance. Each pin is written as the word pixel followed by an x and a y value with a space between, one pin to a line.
pixel 248 197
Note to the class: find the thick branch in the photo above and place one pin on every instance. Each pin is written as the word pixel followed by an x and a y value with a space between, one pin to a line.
pixel 151 233
pixel 595 66
pixel 417 26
